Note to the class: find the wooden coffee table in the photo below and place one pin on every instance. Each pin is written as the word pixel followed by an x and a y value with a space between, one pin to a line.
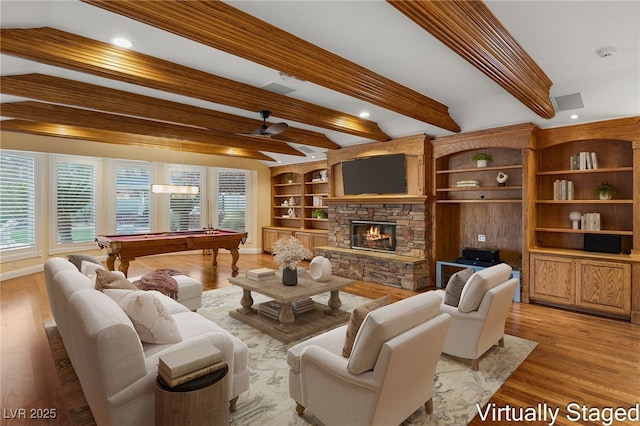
pixel 291 327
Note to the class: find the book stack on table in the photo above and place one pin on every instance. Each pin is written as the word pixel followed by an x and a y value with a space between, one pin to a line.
pixel 184 365
pixel 260 273
pixel 272 308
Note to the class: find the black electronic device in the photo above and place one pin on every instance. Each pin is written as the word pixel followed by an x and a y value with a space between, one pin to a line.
pixel 481 255
pixel 473 262
pixel 603 243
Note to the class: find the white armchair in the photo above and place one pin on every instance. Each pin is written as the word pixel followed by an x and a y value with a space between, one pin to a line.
pixel 477 323
pixel 389 374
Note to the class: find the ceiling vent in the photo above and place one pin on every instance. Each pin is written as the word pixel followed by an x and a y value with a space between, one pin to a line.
pixel 305 149
pixel 278 88
pixel 568 102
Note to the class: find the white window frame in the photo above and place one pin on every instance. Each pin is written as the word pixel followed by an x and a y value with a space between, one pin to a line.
pixel 213 198
pixel 54 247
pixel 10 255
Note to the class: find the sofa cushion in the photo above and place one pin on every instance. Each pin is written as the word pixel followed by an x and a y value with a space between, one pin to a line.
pixel 355 321
pixel 387 322
pixel 150 318
pixel 108 279
pixel 455 285
pixel 475 288
pixel 77 259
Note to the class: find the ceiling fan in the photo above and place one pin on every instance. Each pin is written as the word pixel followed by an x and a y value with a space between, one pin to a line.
pixel 274 129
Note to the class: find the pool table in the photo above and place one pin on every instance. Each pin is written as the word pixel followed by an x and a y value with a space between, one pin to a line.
pixel 127 247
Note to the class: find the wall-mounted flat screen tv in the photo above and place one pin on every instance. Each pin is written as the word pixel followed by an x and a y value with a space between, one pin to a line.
pixel 382 174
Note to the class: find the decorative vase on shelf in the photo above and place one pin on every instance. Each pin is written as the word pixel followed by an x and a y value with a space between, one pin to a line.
pixel 481 163
pixel 289 276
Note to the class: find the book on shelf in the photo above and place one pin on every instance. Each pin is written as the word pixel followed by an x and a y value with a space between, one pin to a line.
pixel 257 274
pixel 272 308
pixel 179 380
pixel 590 222
pixel 563 189
pixel 189 359
pixel 467 183
pixel 583 161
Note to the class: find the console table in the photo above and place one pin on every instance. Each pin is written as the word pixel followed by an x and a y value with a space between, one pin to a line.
pixel 440 264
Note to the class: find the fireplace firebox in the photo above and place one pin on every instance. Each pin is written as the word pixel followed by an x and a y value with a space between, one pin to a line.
pixel 375 236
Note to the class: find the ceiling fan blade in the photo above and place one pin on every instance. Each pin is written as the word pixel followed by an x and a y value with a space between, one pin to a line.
pixel 274 129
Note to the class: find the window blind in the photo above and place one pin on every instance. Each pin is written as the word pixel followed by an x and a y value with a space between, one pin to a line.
pixel 232 199
pixel 17 201
pixel 185 208
pixel 75 202
pixel 133 183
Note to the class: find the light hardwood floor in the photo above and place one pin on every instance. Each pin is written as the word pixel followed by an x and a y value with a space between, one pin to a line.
pixel 580 359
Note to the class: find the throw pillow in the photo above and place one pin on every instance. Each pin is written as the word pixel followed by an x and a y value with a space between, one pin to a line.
pixel 150 318
pixel 455 285
pixel 357 316
pixel 77 259
pixel 89 268
pixel 107 279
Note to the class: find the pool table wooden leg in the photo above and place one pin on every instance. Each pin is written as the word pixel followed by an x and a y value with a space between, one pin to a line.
pixel 123 267
pixel 111 262
pixel 235 255
pixel 214 261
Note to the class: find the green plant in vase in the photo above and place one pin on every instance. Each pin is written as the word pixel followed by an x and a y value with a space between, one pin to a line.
pixel 605 191
pixel 318 214
pixel 481 158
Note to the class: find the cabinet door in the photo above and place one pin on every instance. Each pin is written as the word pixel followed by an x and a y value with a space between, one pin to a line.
pixel 552 279
pixel 305 239
pixel 270 236
pixel 604 286
pixel 320 240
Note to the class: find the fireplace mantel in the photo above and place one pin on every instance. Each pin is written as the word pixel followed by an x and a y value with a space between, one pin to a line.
pixel 379 199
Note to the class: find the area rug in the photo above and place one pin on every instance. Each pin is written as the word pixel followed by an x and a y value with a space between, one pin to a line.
pixel 457 388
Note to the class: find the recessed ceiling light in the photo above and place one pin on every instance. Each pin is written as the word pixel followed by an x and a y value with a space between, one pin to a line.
pixel 364 114
pixel 122 42
pixel 574 116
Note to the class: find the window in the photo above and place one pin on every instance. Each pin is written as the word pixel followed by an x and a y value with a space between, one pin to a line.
pixel 75 200
pixel 184 208
pixel 17 201
pixel 133 183
pixel 232 199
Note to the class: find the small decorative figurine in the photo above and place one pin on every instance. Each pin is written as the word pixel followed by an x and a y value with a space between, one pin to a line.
pixel 502 178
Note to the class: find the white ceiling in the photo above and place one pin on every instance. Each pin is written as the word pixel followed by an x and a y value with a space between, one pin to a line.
pixel 563 37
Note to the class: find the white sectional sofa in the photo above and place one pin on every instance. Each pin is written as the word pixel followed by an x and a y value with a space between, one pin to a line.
pixel 116 370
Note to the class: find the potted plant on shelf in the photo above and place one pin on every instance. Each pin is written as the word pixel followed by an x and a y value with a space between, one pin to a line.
pixel 605 191
pixel 481 158
pixel 318 214
pixel 288 253
pixel 290 177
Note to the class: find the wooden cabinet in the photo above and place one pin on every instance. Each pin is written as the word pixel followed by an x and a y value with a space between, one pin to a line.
pixel 298 204
pixel 600 282
pixel 582 283
pixel 464 214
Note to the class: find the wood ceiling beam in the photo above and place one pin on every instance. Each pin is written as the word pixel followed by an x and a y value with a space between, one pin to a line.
pixel 216 24
pixel 61 49
pixel 121 138
pixel 69 92
pixel 58 114
pixel 470 29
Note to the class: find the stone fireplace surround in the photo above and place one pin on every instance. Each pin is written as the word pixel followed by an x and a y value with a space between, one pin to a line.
pixel 408 267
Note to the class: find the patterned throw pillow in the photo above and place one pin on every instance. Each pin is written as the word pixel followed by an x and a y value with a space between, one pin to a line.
pixel 150 318
pixel 357 316
pixel 455 285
